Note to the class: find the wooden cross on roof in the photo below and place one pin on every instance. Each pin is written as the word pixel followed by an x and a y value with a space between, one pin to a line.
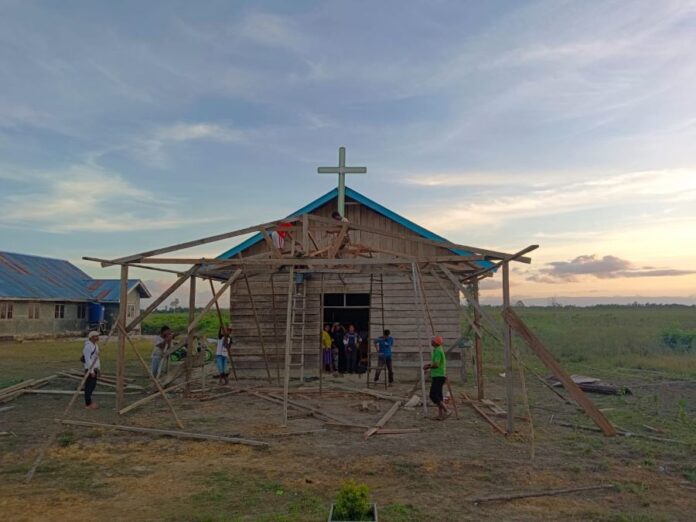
pixel 342 170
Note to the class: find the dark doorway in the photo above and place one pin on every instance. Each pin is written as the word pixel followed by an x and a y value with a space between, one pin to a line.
pixel 347 309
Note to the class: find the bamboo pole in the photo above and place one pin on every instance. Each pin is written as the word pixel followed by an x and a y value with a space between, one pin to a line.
pixel 190 349
pixel 507 339
pixel 414 276
pixel 121 352
pixel 478 347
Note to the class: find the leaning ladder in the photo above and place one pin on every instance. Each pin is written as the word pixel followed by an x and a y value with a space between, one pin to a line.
pixel 297 325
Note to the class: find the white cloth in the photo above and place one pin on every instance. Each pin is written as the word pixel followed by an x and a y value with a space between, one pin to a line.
pixel 157 351
pixel 221 348
pixel 278 240
pixel 91 354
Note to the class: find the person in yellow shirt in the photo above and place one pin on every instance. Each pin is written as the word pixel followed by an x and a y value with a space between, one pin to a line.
pixel 326 344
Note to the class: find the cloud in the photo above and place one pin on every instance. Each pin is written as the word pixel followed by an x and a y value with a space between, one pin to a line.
pixel 153 148
pixel 606 267
pixel 86 198
pixel 666 186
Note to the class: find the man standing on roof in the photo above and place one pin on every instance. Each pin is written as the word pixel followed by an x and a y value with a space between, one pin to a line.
pixel 90 359
pixel 438 377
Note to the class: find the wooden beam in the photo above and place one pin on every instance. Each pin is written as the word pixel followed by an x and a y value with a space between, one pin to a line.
pixel 507 346
pixel 305 234
pixel 478 347
pixel 288 342
pixel 516 323
pixel 381 422
pixel 483 414
pixel 147 399
pixel 418 239
pixel 202 241
pixel 307 261
pixel 336 246
pixel 169 291
pixel 258 327
pixel 191 352
pixel 514 257
pixel 217 305
pixel 168 433
pixel 547 493
pixel 197 319
pixel 121 351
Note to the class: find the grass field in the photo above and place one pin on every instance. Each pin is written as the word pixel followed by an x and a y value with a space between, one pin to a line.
pixel 90 472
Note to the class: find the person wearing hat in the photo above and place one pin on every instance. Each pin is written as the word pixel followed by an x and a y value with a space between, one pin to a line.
pixel 90 358
pixel 438 377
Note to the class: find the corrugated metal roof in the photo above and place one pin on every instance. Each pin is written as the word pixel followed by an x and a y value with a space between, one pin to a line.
pixel 24 276
pixel 373 205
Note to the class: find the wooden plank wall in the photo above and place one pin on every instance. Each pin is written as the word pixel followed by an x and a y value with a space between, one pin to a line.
pixel 401 315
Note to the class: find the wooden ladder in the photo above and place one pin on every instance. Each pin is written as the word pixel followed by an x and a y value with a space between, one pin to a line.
pixel 297 325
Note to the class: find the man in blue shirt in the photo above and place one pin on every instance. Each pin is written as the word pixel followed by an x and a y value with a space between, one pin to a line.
pixel 384 345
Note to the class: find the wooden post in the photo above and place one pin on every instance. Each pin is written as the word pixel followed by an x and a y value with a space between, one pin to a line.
pixel 288 343
pixel 121 353
pixel 258 326
pixel 507 338
pixel 190 349
pixel 418 303
pixel 305 234
pixel 478 345
pixel 276 340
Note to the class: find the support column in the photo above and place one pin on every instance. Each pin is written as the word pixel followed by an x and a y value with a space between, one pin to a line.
pixel 121 353
pixel 190 337
pixel 507 337
pixel 478 345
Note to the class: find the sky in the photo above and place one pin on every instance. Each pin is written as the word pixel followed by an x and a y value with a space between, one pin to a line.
pixel 568 124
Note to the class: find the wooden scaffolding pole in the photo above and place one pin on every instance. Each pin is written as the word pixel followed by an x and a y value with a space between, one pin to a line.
pixel 478 345
pixel 121 353
pixel 507 339
pixel 288 343
pixel 258 326
pixel 191 351
pixel 276 340
pixel 419 304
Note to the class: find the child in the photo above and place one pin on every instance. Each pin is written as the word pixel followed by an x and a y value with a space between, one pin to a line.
pixel 384 346
pixel 163 342
pixel 438 377
pixel 90 358
pixel 326 353
pixel 222 353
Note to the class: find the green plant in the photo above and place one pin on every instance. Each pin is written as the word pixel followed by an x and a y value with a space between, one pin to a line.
pixel 352 502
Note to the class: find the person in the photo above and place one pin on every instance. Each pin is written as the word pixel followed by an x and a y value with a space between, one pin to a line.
pixel 163 342
pixel 337 332
pixel 279 235
pixel 222 353
pixel 384 346
pixel 326 349
pixel 338 217
pixel 351 341
pixel 90 358
pixel 438 377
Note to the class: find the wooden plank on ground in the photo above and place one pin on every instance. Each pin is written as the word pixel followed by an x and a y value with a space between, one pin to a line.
pixel 167 433
pixel 483 414
pixel 547 493
pixel 381 422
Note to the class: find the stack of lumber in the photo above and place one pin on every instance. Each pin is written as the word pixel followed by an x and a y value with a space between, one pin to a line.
pixel 12 392
pixel 104 380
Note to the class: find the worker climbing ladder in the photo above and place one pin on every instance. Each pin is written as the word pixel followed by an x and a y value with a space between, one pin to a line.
pixel 376 296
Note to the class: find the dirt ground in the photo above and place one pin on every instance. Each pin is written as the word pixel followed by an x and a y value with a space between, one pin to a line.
pixel 93 474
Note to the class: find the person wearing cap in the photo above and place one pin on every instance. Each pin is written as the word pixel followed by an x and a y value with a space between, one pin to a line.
pixel 90 358
pixel 438 377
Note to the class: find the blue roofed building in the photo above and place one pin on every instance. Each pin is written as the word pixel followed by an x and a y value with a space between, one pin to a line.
pixel 41 296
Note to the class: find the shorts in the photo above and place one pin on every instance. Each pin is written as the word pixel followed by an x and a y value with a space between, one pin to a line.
pixel 436 385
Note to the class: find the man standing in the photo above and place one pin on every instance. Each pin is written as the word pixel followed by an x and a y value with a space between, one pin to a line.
pixel 163 342
pixel 90 358
pixel 438 377
pixel 384 346
pixel 352 341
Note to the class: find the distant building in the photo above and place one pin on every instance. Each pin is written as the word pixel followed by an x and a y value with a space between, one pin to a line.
pixel 42 296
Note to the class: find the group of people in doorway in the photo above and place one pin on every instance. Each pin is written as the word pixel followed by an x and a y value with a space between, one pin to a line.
pixel 341 350
pixel 346 350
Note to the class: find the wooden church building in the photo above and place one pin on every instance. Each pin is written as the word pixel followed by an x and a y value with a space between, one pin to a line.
pixel 372 297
